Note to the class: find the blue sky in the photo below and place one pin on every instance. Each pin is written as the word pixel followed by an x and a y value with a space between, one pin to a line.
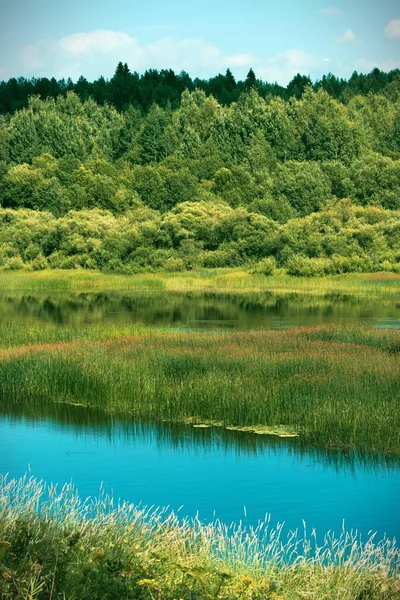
pixel 277 39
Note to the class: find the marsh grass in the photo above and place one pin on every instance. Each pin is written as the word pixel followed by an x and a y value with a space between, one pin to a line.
pixel 374 285
pixel 335 387
pixel 54 545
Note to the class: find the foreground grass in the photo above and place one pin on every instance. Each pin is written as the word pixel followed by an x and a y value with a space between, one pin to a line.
pixel 336 387
pixel 53 545
pixel 374 285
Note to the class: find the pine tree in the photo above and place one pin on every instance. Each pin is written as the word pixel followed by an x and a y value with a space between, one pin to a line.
pixel 250 81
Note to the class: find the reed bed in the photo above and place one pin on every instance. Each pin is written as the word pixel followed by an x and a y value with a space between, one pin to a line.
pixel 54 545
pixel 374 285
pixel 335 387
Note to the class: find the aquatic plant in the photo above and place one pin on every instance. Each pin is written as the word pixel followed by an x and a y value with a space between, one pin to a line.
pixel 335 387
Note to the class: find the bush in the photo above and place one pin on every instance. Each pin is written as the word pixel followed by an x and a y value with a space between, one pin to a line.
pixel 266 266
pixel 15 263
pixel 220 258
pixel 302 266
pixel 39 263
pixel 172 265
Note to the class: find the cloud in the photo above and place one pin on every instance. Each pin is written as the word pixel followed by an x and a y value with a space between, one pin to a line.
pixel 331 11
pixel 97 53
pixel 392 30
pixel 366 65
pixel 284 66
pixel 102 41
pixel 348 36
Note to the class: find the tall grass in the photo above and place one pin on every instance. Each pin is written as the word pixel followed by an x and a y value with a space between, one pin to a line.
pixel 336 388
pixel 238 280
pixel 54 545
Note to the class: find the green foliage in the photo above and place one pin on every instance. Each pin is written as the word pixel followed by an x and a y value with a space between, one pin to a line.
pixel 303 185
pixel 339 239
pixel 202 182
pixel 376 180
pixel 266 266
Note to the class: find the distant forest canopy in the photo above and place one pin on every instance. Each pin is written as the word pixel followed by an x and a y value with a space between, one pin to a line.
pixel 165 87
pixel 169 176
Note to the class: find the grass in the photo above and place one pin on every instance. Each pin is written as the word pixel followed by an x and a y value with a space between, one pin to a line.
pixel 335 387
pixel 54 546
pixel 374 285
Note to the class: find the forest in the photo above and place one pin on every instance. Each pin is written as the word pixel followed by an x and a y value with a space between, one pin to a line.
pixel 161 172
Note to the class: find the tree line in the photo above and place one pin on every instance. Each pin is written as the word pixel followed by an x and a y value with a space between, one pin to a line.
pixel 165 87
pixel 308 183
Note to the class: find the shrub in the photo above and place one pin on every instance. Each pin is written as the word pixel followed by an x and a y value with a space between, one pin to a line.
pixel 302 266
pixel 173 264
pixel 266 266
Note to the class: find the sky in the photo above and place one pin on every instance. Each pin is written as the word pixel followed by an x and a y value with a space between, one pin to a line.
pixel 278 39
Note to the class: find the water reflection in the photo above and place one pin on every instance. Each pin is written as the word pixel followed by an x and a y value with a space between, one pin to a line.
pixel 86 421
pixel 211 472
pixel 197 310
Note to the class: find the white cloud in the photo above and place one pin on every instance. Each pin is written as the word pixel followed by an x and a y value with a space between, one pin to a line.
pixel 102 41
pixel 97 53
pixel 241 60
pixel 365 64
pixel 392 30
pixel 282 67
pixel 331 11
pixel 348 36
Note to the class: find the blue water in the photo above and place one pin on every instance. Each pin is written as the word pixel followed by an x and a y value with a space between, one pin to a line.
pixel 207 472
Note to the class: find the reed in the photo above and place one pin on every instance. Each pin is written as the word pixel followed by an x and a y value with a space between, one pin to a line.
pixel 54 545
pixel 374 285
pixel 334 387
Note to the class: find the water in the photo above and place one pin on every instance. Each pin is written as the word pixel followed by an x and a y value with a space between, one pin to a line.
pixel 225 474
pixel 195 310
pixel 230 475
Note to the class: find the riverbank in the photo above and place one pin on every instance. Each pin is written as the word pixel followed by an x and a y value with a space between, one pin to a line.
pixel 54 545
